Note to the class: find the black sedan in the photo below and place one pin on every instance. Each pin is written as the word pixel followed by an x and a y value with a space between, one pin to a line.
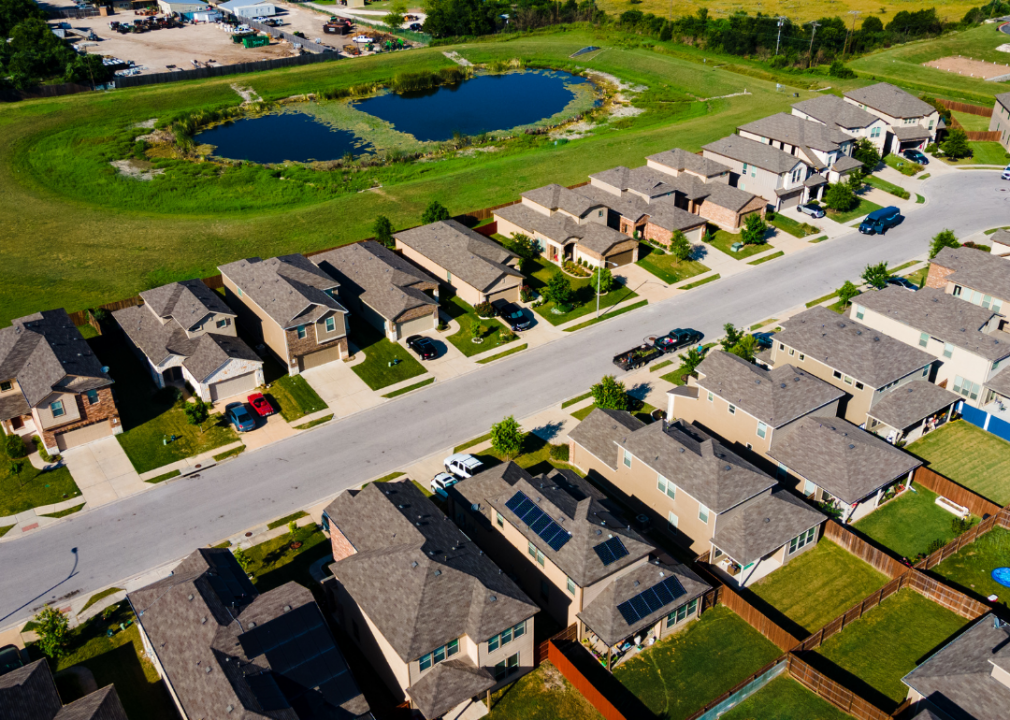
pixel 902 283
pixel 511 314
pixel 915 156
pixel 423 346
pixel 677 339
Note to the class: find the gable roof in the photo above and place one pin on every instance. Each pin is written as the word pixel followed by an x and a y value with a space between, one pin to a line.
pixel 907 404
pixel 831 109
pixel 380 278
pixel 976 269
pixel 754 153
pixel 558 197
pixel 665 214
pixel 801 133
pixel 29 693
pixel 839 457
pixel 466 254
pixel 684 161
pixel 777 396
pixel 763 524
pixel 641 180
pixel 439 690
pixel 867 355
pixel 891 100
pixel 634 206
pixel 187 302
pixel 103 704
pixel 290 289
pixel 416 575
pixel 560 228
pixel 601 432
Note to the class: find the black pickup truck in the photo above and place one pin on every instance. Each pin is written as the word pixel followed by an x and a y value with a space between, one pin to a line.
pixel 637 357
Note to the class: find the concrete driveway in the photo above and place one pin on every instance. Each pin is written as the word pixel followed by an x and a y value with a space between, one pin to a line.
pixel 340 388
pixel 103 472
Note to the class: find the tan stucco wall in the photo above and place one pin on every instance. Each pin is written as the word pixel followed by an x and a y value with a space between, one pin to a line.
pixel 758 181
pixel 44 416
pixel 255 321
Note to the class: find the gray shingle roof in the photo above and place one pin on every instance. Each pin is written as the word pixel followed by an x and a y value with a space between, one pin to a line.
pixel 1004 99
pixel 1000 382
pixel 754 153
pixel 832 109
pixel 602 616
pixel 602 430
pixel 29 693
pixel 448 684
pixel 763 524
pixel 906 405
pixel 103 704
pixel 668 216
pixel 927 714
pixel 943 316
pixel 839 457
pixel 775 396
pixel 466 254
pixel 630 206
pixel 911 132
pixel 891 100
pixel 641 180
pixel 794 130
pixel 417 577
pixel 958 679
pixel 45 352
pixel 1001 236
pixel 558 197
pixel 867 355
pixel 383 280
pixel 815 180
pixel 682 160
pixel 289 288
pixel 846 163
pixel 691 186
pixel 187 302
pixel 976 269
pixel 562 229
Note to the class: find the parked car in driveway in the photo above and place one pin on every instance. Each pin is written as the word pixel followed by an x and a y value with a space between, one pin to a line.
pixel 10 659
pixel 513 315
pixel 902 282
pixel 240 417
pixel 423 347
pixel 812 210
pixel 261 405
pixel 915 156
pixel 462 465
pixel 442 482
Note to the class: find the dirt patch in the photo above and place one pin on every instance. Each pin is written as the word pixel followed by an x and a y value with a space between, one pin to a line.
pixel 156 137
pixel 554 681
pixel 137 169
pixel 470 152
pixel 247 94
pixel 147 124
pixel 969 68
pixel 457 58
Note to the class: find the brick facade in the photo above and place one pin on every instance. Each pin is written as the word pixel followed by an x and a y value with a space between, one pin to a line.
pixel 937 277
pixel 307 345
pixel 342 547
pixel 726 218
pixel 103 410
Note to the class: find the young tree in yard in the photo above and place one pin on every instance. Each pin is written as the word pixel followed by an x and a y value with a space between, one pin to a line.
pixel 434 212
pixel 383 230
pixel 690 361
pixel 876 275
pixel 507 438
pixel 243 560
pixel 956 145
pixel 680 246
pixel 605 281
pixel 943 239
pixel 840 197
pixel 747 348
pixel 52 627
pixel 524 246
pixel 197 411
pixel 855 180
pixel 733 337
pixel 610 394
pixel 846 292
pixel 754 230
pixel 866 153
pixel 477 332
pixel 394 19
pixel 559 289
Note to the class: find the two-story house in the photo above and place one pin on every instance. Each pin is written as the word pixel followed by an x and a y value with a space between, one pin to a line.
pixel 184 332
pixel 979 277
pixel 759 168
pixel 913 123
pixel 869 367
pixel 705 496
pixel 1000 120
pixel 52 384
pixel 290 305
pixel 432 614
pixel 833 111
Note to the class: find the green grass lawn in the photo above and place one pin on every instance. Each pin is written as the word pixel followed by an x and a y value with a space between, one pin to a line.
pixel 871 655
pixel 464 313
pixel 816 587
pixel 380 351
pixel 723 241
pixel 584 291
pixel 275 562
pixel 902 164
pixel 784 699
pixel 865 207
pixel 984 153
pixel 534 456
pixel 543 694
pixel 909 523
pixel 678 675
pixel 99 596
pixel 970 569
pixel 886 186
pixel 971 123
pixel 766 258
pixel 295 397
pixel 32 488
pixel 667 267
pixel 970 456
pixel 796 229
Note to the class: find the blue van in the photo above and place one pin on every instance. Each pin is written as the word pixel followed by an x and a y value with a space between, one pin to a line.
pixel 880 220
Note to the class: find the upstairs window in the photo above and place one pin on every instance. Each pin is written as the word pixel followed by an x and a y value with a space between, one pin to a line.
pixel 732 409
pixel 223 323
pixel 56 408
pixel 92 396
pixel 331 324
pixel 8 385
pixel 923 339
pixel 703 513
pixel 948 350
pixel 300 332
pixel 762 430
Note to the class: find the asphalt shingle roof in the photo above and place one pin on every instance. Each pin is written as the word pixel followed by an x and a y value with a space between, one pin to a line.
pixel 796 131
pixel 846 163
pixel 466 254
pixel 601 432
pixel 691 186
pixel 976 269
pixel 561 229
pixel 558 197
pixel 642 180
pixel 911 132
pixel 684 161
pixel 907 404
pixel 103 704
pixel 891 100
pixel 831 109
pixel 447 684
pixel 187 302
pixel 754 153
pixel 763 524
pixel 29 693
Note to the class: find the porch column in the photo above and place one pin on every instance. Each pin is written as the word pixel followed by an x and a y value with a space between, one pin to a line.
pixel 950 411
pixel 610 653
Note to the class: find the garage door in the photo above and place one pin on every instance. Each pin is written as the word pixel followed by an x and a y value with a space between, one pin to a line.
pixel 791 201
pixel 417 325
pixel 319 358
pixel 511 295
pixel 623 258
pixel 233 386
pixel 83 435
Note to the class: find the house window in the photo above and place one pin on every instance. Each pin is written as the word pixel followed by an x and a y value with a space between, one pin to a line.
pixel 781 471
pixel 957 291
pixel 997 305
pixel 56 408
pixel 859 385
pixel 439 654
pixel 732 409
pixel 848 380
pixel 995 365
pixel 8 385
pixel 703 513
pixel 802 357
pixel 331 324
pixel 500 520
pixel 673 520
pixel 223 323
pixel 627 459
pixel 745 168
pixel 966 388
pixel 791 352
pixel 711 397
pixel 875 132
pixel 925 371
pixel 571 586
pixel 762 430
pixel 92 396
pixel 448 276
pixel 506 667
pixel 923 339
pixel 837 375
pixel 809 488
pixel 948 350
pixel 860 311
pixel 665 486
pixel 599 213
pixel 684 611
pixel 781 346
pixel 239 291
pixel 301 332
pixel 535 553
pixel 986 301
pixel 802 539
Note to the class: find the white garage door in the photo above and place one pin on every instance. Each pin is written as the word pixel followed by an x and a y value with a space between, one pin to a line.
pixel 417 325
pixel 233 386
pixel 83 435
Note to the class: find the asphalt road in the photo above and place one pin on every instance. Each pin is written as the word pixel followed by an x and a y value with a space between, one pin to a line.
pixel 119 540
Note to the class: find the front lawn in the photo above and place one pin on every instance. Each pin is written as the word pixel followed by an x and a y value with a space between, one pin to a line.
pixel 888 187
pixel 796 229
pixel 678 675
pixel 970 456
pixel 970 569
pixel 492 335
pixel 902 164
pixel 724 241
pixel 909 523
pixel 666 266
pixel 32 488
pixel 865 207
pixel 535 456
pixel 871 655
pixel 983 153
pixel 543 694
pixel 275 562
pixel 816 587
pixel 377 370
pixel 584 291
pixel 784 699
pixel 294 397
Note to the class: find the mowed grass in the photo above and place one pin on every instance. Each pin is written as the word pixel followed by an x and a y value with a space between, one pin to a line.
pixel 294 397
pixel 784 699
pixel 871 655
pixel 543 694
pixel 491 335
pixel 724 242
pixel 31 488
pixel 667 267
pixel 678 675
pixel 817 586
pixel 865 207
pixel 970 568
pixel 386 362
pixel 972 123
pixel 970 456
pixel 583 290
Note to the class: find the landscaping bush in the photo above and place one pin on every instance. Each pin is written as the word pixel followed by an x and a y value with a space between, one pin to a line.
pixel 434 212
pixel 197 411
pixel 43 453
pixel 168 395
pixel 15 447
pixel 484 310
pixel 526 293
pixel 754 230
pixel 840 197
pixel 559 289
pixel 559 452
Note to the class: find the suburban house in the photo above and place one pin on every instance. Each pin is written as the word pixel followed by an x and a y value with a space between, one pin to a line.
pixel 825 148
pixel 479 269
pixel 969 677
pixel 226 650
pixel 706 497
pixel 1000 121
pixel 912 122
pixel 290 306
pixel 979 277
pixel 184 332
pixel 831 110
pixel 759 168
pixel 52 384
pixel 394 296
pixel 1000 243
pixel 656 219
pixel 29 693
pixel 964 337
pixel 432 614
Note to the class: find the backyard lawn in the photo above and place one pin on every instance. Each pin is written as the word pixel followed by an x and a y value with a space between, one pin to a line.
pixel 32 488
pixel 816 587
pixel 584 291
pixel 666 266
pixel 294 397
pixel 543 694
pixel 723 241
pixel 972 123
pixel 380 351
pixel 784 699
pixel 871 655
pixel 909 523
pixel 970 569
pixel 865 207
pixel 678 675
pixel 464 314
pixel 970 456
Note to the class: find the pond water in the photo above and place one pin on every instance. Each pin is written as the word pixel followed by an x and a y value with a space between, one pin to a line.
pixel 276 138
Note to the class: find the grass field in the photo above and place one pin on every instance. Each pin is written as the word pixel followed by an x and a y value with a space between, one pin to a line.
pixel 970 456
pixel 983 153
pixel 865 207
pixel 784 699
pixel 971 123
pixel 970 569
pixel 724 241
pixel 543 694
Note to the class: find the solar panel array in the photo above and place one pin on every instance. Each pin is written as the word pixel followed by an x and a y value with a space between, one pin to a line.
pixel 538 521
pixel 651 600
pixel 611 551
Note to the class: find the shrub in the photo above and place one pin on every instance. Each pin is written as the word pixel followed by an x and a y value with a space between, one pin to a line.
pixel 52 627
pixel 507 438
pixel 934 546
pixel 15 447
pixel 244 561
pixel 484 310
pixel 383 230
pixel 434 213
pixel 43 453
pixel 754 230
pixel 839 70
pixel 956 145
pixel 197 411
pixel 559 452
pixel 526 293
pixel 840 197
pixel 943 239
pixel 959 526
pixel 610 394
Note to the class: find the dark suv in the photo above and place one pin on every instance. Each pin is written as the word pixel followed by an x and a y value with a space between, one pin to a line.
pixel 512 314
pixel 423 346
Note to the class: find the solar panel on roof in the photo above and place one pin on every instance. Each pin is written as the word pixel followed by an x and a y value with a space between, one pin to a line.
pixel 610 551
pixel 538 521
pixel 650 600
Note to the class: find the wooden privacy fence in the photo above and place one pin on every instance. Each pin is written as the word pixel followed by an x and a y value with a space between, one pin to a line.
pixel 736 688
pixel 965 107
pixel 984 135
pixel 849 616
pixel 757 620
pixel 599 687
pixel 1002 518
pixel 959 494
pixel 836 694
pixel 863 550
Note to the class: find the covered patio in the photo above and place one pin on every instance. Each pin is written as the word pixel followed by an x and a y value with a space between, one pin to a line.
pixel 907 413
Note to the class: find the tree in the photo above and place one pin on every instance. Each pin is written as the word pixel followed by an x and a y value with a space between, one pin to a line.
pixel 733 336
pixel 855 180
pixel 840 197
pixel 876 275
pixel 507 438
pixel 610 394
pixel 434 212
pixel 197 411
pixel 956 145
pixel 943 239
pixel 243 560
pixel 690 361
pixel 524 246
pixel 754 230
pixel 838 70
pixel 559 289
pixel 394 19
pixel 52 627
pixel 476 332
pixel 846 292
pixel 680 246
pixel 747 348
pixel 15 447
pixel 865 151
pixel 604 278
pixel 383 230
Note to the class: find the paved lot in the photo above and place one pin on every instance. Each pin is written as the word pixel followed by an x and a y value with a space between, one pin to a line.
pixel 102 471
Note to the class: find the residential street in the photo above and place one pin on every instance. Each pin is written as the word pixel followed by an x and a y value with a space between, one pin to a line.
pixel 138 532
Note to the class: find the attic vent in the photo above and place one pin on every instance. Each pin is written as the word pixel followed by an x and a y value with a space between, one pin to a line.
pixel 287 608
pixel 413 564
pixel 859 332
pixel 768 520
pixel 728 467
pixel 229 709
pixel 203 621
pixel 437 573
pixel 191 597
pixel 876 339
pixel 475 507
pixel 207 669
pixel 400 506
pixel 493 598
pixel 782 385
pixel 851 446
pixel 431 553
pixel 661 573
pixel 636 583
pixel 252 624
pixel 796 379
pixel 599 532
pixel 757 382
pixel 682 449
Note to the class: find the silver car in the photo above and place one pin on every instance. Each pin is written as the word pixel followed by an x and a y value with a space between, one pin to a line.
pixel 811 210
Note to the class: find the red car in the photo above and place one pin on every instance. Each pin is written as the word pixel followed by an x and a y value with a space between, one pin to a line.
pixel 261 405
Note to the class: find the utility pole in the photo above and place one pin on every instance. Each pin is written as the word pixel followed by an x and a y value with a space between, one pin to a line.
pixel 852 29
pixel 813 27
pixel 782 21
